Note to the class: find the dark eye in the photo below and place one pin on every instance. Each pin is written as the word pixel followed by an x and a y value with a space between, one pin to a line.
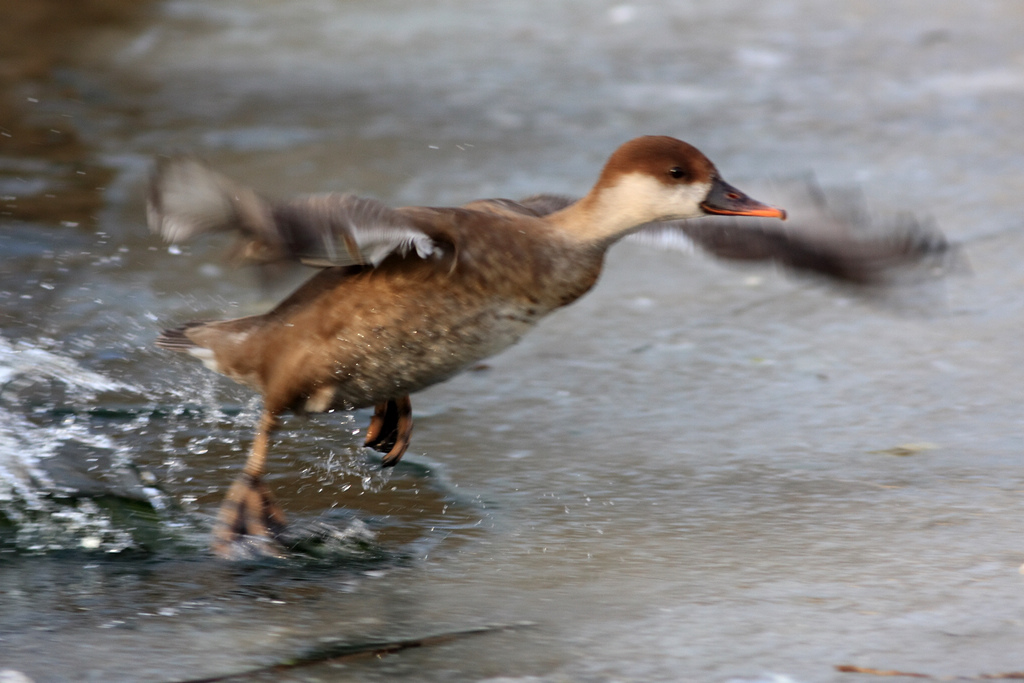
pixel 676 172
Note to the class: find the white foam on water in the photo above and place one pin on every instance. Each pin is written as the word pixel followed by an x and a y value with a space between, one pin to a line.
pixel 44 514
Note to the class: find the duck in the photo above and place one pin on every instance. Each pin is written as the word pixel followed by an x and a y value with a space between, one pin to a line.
pixel 405 298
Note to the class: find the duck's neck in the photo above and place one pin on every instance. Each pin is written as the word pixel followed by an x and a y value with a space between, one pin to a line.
pixel 613 210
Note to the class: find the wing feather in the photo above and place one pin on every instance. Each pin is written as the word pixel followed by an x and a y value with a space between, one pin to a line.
pixel 829 234
pixel 188 199
pixel 544 204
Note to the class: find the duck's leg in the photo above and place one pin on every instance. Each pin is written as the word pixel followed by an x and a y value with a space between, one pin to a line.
pixel 380 434
pixel 249 508
pixel 403 432
pixel 391 429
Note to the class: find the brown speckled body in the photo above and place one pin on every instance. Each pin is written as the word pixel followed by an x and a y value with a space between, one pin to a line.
pixel 354 337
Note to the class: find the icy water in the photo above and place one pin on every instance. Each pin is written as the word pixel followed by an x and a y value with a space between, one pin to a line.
pixel 697 473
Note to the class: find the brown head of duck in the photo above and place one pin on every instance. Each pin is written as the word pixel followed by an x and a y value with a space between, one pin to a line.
pixel 654 179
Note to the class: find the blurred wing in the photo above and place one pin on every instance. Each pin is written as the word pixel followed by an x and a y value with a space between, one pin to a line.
pixel 543 204
pixel 187 198
pixel 343 229
pixel 535 206
pixel 842 244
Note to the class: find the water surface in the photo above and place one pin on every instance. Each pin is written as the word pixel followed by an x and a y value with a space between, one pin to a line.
pixel 698 472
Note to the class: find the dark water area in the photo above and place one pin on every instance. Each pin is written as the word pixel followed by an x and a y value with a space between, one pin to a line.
pixel 698 472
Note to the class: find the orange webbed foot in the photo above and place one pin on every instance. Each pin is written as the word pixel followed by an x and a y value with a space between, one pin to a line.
pixel 249 510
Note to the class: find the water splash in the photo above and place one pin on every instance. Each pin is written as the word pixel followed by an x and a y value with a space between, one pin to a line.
pixel 50 498
pixel 25 362
pixel 349 463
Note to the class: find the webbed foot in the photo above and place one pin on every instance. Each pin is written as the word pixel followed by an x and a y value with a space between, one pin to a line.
pixel 249 510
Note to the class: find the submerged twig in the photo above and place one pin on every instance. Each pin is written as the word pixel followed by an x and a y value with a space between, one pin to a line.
pixel 850 669
pixel 1005 676
pixel 333 652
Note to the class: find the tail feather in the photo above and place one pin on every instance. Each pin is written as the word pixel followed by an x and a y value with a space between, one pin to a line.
pixel 176 339
pixel 220 345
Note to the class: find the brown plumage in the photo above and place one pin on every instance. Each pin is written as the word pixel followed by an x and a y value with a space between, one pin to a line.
pixel 409 297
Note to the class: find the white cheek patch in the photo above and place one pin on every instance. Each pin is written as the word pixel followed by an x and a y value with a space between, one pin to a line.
pixel 694 194
pixel 645 198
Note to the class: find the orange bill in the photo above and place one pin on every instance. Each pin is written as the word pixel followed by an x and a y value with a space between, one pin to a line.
pixel 727 200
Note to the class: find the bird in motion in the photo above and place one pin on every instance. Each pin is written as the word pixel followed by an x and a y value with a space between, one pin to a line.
pixel 408 297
